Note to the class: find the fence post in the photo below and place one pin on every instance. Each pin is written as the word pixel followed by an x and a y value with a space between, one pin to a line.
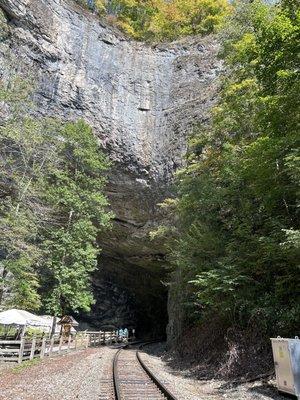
pixel 69 342
pixel 51 346
pixel 87 342
pixel 22 344
pixel 60 344
pixel 42 354
pixel 32 348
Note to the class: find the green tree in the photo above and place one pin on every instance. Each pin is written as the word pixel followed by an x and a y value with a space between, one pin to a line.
pixel 52 177
pixel 74 189
pixel 161 20
pixel 238 197
pixel 26 150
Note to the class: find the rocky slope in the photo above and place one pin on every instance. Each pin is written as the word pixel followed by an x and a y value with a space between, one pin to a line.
pixel 141 101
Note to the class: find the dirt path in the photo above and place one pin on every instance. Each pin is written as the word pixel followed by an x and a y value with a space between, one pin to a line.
pixel 73 376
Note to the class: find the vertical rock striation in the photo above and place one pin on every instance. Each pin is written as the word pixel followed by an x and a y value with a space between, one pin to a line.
pixel 141 101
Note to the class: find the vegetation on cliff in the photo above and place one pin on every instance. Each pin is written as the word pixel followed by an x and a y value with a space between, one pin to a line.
pixel 52 176
pixel 162 20
pixel 236 256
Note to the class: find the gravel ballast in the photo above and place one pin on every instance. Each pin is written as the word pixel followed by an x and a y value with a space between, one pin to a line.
pixel 87 375
pixel 186 387
pixel 79 375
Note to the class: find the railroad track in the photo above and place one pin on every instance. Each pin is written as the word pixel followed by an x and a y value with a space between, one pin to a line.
pixel 134 381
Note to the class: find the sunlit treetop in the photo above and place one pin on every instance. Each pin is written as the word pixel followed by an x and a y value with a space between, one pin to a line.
pixel 161 19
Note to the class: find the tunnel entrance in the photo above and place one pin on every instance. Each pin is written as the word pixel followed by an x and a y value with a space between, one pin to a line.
pixel 129 296
pixel 128 283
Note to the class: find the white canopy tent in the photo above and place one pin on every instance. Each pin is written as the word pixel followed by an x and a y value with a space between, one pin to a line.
pixel 25 319
pixel 21 317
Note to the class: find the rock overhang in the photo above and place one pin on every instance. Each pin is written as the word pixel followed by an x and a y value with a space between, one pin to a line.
pixel 141 101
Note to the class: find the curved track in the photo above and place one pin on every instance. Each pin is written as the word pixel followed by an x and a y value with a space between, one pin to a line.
pixel 134 381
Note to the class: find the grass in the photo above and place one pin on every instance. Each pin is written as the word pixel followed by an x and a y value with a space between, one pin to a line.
pixel 25 364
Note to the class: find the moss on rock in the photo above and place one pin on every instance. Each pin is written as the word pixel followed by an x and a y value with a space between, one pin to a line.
pixel 4 28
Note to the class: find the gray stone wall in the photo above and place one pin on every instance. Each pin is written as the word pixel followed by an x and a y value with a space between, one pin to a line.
pixel 141 100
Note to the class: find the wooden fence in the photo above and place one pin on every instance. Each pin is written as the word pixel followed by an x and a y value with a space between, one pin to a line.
pixel 98 338
pixel 27 349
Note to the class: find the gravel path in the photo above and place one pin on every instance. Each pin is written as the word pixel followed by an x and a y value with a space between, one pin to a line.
pixel 87 375
pixel 82 375
pixel 186 387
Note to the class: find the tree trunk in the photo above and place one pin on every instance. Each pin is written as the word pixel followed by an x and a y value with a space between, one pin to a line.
pixel 53 326
pixel 2 287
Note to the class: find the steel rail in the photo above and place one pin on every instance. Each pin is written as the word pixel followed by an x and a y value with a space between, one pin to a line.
pixel 158 383
pixel 115 368
pixel 115 376
pixel 117 387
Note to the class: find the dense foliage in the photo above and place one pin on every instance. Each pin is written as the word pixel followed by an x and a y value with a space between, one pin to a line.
pixel 52 207
pixel 74 190
pixel 237 254
pixel 160 19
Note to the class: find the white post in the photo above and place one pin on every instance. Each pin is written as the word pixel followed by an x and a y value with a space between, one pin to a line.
pixel 43 348
pixel 69 342
pixel 22 344
pixel 32 348
pixel 23 331
pixel 51 346
pixel 60 344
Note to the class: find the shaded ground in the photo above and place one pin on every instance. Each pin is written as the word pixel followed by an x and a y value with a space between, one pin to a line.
pixel 185 381
pixel 214 351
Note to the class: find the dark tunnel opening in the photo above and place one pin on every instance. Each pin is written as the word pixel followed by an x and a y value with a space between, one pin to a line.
pixel 128 295
pixel 128 283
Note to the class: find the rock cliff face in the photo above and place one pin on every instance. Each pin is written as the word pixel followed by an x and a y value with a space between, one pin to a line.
pixel 141 101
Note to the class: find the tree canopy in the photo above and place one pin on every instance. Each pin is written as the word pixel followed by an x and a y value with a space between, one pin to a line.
pixel 162 20
pixel 237 248
pixel 52 177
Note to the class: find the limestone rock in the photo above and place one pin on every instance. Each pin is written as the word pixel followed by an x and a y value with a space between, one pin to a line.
pixel 141 101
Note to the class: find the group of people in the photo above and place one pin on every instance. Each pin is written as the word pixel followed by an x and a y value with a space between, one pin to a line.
pixel 124 333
